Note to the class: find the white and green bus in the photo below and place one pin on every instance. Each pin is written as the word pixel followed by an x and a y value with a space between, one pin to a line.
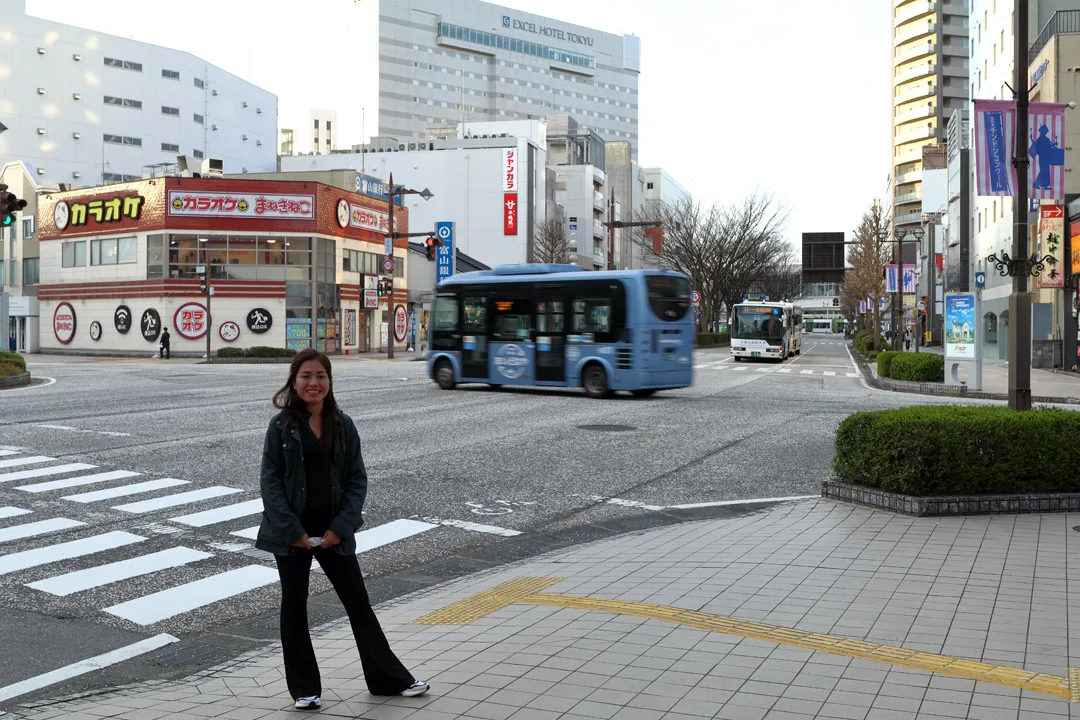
pixel 766 330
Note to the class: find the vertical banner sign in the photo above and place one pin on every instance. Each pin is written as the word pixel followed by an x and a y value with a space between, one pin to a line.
pixel 510 187
pixel 510 214
pixel 1052 243
pixel 1074 236
pixel 911 280
pixel 995 134
pixel 1046 148
pixel 960 328
pixel 890 278
pixel 862 307
pixel 444 254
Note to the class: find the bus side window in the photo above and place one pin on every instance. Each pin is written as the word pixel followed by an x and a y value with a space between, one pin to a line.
pixel 446 314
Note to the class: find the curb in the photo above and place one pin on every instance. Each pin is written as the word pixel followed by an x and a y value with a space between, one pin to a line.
pixel 15 381
pixel 248 361
pixel 950 505
pixel 933 389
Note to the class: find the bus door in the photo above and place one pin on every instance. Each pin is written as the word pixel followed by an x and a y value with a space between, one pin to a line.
pixel 474 337
pixel 549 305
pixel 512 360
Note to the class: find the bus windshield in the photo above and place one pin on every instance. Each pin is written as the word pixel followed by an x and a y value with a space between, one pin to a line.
pixel 669 296
pixel 764 323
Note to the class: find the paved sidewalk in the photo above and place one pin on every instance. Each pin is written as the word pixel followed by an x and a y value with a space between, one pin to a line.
pixel 1044 383
pixel 806 610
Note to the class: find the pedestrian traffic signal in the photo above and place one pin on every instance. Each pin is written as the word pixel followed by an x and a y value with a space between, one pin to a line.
pixel 9 205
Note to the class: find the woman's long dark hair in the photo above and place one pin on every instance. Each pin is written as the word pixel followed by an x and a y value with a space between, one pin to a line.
pixel 286 398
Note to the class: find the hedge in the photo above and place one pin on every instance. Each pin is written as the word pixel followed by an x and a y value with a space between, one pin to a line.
pixel 918 367
pixel 722 339
pixel 959 450
pixel 259 351
pixel 884 360
pixel 12 359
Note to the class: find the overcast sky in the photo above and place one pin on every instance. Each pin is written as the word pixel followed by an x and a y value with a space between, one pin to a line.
pixel 786 96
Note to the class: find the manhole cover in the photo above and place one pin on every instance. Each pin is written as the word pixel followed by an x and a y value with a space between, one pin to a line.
pixel 607 428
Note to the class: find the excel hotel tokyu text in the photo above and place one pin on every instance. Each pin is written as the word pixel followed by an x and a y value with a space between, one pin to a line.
pixel 290 264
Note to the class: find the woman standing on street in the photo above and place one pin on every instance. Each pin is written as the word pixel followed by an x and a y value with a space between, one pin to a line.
pixel 313 488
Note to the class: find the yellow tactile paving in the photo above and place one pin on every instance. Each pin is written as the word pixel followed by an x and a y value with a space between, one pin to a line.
pixel 524 591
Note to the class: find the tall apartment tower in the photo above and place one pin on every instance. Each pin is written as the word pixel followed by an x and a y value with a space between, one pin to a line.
pixel 930 80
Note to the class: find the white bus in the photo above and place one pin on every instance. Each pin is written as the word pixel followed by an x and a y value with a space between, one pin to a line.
pixel 766 330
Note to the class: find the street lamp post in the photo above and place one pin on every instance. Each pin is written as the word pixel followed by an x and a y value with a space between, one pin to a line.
pixel 1020 299
pixel 391 235
pixel 898 296
pixel 883 235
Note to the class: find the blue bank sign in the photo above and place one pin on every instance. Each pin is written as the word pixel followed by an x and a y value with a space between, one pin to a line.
pixel 546 30
pixel 444 257
pixel 373 187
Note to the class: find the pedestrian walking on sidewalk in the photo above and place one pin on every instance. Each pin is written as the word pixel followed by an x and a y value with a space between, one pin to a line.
pixel 313 488
pixel 166 352
pixel 907 340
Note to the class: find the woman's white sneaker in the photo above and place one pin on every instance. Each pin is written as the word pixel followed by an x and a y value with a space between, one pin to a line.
pixel 311 702
pixel 416 689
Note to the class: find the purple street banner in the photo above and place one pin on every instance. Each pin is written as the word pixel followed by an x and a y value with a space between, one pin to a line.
pixel 995 133
pixel 1046 148
pixel 910 279
pixel 862 307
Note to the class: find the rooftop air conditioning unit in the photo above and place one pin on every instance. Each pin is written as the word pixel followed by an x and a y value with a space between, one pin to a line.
pixel 213 167
pixel 188 166
pixel 412 146
pixel 214 93
pixel 401 146
pixel 244 103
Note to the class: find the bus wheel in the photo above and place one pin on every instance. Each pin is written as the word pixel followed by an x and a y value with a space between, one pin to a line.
pixel 444 375
pixel 595 381
pixel 736 358
pixel 644 392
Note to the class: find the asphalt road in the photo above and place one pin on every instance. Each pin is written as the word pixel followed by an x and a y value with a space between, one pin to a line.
pixel 459 481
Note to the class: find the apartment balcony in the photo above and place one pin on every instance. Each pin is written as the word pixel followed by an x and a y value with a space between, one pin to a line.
pixel 598 201
pixel 915 135
pixel 921 111
pixel 599 176
pixel 598 230
pixel 914 30
pixel 912 52
pixel 915 92
pixel 909 177
pixel 906 198
pixel 908 218
pixel 910 12
pixel 598 257
pixel 913 73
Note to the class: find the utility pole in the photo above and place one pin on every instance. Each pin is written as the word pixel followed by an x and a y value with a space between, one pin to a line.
pixel 612 224
pixel 390 237
pixel 1020 298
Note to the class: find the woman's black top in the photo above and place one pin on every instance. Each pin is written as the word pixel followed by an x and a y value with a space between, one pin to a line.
pixel 316 515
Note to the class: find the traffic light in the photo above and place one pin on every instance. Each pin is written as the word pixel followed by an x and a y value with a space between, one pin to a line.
pixel 383 288
pixel 9 205
pixel 431 247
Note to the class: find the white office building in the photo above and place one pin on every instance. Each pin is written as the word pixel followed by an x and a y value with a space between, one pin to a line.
pixel 323 125
pixel 468 177
pixel 86 108
pixel 442 62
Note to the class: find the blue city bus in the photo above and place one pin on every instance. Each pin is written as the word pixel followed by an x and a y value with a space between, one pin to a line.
pixel 559 326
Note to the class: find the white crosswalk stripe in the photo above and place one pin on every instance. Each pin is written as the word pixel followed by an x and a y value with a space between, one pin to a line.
pixel 77 481
pixel 65 551
pixel 221 514
pixel 829 373
pixel 125 490
pixel 30 460
pixel 186 498
pixel 6 453
pixel 181 599
pixel 784 370
pixel 45 471
pixel 73 582
pixel 8 512
pixel 38 527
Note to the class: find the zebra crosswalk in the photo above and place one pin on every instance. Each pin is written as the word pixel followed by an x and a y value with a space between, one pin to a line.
pixel 723 366
pixel 81 541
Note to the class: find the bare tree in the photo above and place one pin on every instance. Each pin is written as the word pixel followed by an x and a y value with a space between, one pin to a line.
pixel 784 280
pixel 551 244
pixel 749 245
pixel 689 247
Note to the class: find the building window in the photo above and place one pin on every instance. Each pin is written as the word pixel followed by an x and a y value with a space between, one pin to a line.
pixel 31 271
pixel 170 148
pixel 74 254
pixel 198 118
pixel 113 251
pixel 170 74
pixel 166 110
pixel 117 178
pixel 197 153
pixel 316 123
pixel 123 140
pixel 123 64
pixel 199 83
pixel 123 102
pixel 27 227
